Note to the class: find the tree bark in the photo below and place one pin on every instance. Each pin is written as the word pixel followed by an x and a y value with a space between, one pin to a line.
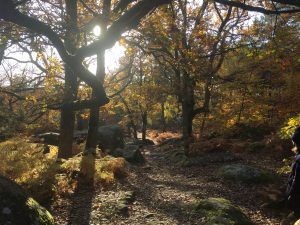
pixel 91 142
pixel 144 126
pixel 207 97
pixel 67 121
pixel 188 103
pixel 131 118
pixel 162 117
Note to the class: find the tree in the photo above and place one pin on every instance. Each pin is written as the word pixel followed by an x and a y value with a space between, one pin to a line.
pixel 193 44
pixel 91 142
pixel 67 121
pixel 127 15
pixel 126 18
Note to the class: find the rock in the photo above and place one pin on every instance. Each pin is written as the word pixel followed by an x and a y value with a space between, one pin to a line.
pixel 49 138
pixel 2 137
pixel 219 211
pixel 244 173
pixel 213 157
pixel 110 137
pixel 131 153
pixel 17 208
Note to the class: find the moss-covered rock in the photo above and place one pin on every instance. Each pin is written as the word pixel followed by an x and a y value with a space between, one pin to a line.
pixel 244 173
pixel 17 208
pixel 219 211
pixel 131 153
pixel 206 159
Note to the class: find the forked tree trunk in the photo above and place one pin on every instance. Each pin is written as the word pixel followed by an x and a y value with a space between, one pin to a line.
pixel 91 142
pixel 67 121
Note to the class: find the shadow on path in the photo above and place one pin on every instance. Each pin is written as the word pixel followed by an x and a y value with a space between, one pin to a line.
pixel 81 208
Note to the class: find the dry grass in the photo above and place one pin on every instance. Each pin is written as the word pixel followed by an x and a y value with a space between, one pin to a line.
pixel 161 136
pixel 44 178
pixel 26 164
pixel 102 170
pixel 23 161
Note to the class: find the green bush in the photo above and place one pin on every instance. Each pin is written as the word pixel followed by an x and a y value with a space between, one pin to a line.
pixel 289 127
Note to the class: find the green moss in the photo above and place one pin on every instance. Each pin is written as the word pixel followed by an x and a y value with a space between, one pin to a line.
pixel 245 174
pixel 219 211
pixel 39 214
pixel 21 209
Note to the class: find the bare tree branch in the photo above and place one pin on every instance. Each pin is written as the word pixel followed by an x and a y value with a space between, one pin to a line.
pixel 127 21
pixel 261 9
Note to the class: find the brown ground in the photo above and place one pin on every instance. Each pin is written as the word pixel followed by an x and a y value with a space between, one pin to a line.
pixel 166 193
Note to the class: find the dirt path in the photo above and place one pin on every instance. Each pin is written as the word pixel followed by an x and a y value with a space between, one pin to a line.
pixel 164 194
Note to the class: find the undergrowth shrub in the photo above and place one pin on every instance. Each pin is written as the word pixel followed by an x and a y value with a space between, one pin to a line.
pixel 102 170
pixel 289 127
pixel 286 168
pixel 246 131
pixel 45 178
pixel 26 164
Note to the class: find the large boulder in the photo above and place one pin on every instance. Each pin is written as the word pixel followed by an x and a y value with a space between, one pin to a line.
pixel 17 208
pixel 213 157
pixel 245 174
pixel 219 211
pixel 131 153
pixel 110 137
pixel 49 138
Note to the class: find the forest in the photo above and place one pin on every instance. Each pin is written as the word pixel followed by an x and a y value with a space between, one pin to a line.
pixel 148 112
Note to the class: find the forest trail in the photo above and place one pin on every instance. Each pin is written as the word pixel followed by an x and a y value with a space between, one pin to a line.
pixel 165 193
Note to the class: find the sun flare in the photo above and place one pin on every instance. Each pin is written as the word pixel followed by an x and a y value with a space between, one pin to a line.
pixel 97 31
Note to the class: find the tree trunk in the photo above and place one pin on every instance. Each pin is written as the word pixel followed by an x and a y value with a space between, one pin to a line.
pixel 131 118
pixel 135 134
pixel 91 142
pixel 144 126
pixel 188 103
pixel 242 107
pixel 67 121
pixel 207 97
pixel 162 117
